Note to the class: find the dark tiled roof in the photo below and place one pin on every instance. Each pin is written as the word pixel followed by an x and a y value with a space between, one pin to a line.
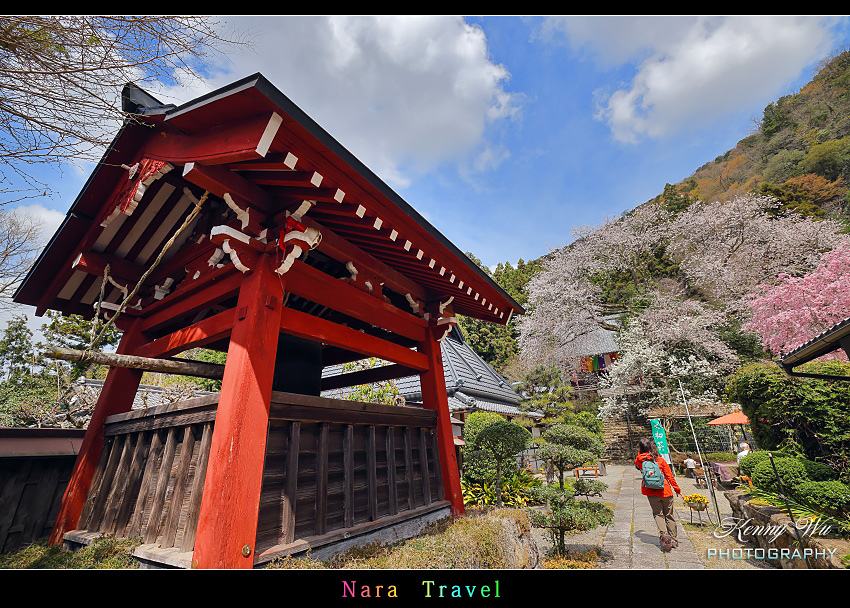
pixel 824 343
pixel 600 341
pixel 470 382
pixel 147 395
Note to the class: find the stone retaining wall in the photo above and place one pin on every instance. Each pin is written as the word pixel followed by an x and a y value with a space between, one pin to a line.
pixel 825 552
pixel 616 435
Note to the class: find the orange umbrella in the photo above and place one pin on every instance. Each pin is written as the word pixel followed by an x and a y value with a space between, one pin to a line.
pixel 735 417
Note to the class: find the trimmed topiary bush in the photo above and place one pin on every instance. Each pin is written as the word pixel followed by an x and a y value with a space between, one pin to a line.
pixel 589 487
pixel 479 466
pixel 748 463
pixel 791 471
pixel 831 497
pixel 818 471
pixel 502 441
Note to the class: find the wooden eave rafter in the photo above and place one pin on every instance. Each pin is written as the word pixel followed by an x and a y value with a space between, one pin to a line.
pixel 267 162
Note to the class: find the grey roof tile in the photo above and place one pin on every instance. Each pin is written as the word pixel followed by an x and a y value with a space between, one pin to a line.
pixel 465 373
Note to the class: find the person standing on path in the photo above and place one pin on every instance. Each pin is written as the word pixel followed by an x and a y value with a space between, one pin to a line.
pixel 690 465
pixel 660 499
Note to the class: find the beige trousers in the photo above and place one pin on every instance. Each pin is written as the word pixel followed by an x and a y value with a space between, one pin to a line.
pixel 662 511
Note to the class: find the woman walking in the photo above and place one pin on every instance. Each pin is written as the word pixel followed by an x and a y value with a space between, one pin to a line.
pixel 658 485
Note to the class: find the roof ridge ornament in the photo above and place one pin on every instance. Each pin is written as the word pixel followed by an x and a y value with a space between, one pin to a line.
pixel 140 175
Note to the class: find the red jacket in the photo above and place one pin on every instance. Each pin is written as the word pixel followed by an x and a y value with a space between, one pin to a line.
pixel 669 481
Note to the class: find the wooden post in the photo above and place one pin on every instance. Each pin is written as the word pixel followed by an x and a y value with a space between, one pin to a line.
pixel 434 397
pixel 116 397
pixel 227 524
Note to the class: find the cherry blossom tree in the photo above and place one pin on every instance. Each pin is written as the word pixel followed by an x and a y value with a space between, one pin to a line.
pixel 796 309
pixel 726 249
pixel 567 298
pixel 673 339
pixel 690 274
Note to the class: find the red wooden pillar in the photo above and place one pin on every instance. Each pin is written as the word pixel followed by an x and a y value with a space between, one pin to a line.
pixel 116 397
pixel 434 397
pixel 227 524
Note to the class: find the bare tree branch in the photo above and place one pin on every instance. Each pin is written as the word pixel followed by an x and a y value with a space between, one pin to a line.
pixel 61 78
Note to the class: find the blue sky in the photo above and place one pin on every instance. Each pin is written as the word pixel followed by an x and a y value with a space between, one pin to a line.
pixel 505 132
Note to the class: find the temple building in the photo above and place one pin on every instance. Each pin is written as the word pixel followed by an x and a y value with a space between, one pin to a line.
pixel 234 222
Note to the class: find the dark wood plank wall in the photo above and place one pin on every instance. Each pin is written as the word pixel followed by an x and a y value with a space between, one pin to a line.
pixel 31 491
pixel 354 463
pixel 150 477
pixel 329 465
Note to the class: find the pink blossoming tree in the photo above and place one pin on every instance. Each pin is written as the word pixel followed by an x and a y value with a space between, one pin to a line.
pixel 796 309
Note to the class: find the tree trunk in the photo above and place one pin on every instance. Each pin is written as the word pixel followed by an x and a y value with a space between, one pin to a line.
pixel 499 484
pixel 167 366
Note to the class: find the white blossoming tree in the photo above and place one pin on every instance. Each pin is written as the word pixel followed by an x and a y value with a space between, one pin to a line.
pixel 719 252
pixel 673 340
pixel 727 249
pixel 568 299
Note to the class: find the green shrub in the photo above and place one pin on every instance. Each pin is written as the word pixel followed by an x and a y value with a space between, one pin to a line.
pixel 818 471
pixel 568 446
pixel 831 497
pixel 748 463
pixel 566 515
pixel 830 159
pixel 807 412
pixel 589 487
pixel 585 420
pixel 719 456
pixel 782 165
pixel 503 441
pixel 480 466
pixel 791 473
pixel 517 491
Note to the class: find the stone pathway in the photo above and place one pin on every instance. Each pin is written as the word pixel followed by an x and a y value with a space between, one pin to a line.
pixel 631 541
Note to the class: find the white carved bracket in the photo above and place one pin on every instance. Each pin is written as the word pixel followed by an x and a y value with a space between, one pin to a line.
pixel 305 206
pixel 230 233
pixel 296 242
pixel 446 303
pixel 160 291
pixel 234 257
pixel 450 322
pixel 111 306
pixel 243 215
pixel 352 269
pixel 416 305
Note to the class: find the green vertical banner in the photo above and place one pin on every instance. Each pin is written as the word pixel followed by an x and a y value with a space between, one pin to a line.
pixel 660 437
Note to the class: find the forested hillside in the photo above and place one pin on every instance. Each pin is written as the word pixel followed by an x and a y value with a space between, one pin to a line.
pixel 719 269
pixel 799 154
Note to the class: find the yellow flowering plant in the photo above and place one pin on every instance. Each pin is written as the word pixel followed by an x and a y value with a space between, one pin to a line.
pixel 696 499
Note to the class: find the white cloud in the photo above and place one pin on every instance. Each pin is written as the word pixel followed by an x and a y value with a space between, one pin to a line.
pixel 49 219
pixel 692 71
pixel 615 40
pixel 402 93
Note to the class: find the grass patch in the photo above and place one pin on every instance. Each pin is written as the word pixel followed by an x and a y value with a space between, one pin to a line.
pixel 471 541
pixel 573 560
pixel 104 553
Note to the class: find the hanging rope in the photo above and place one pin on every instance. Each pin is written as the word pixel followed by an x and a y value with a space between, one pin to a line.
pixel 189 219
pixel 99 302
